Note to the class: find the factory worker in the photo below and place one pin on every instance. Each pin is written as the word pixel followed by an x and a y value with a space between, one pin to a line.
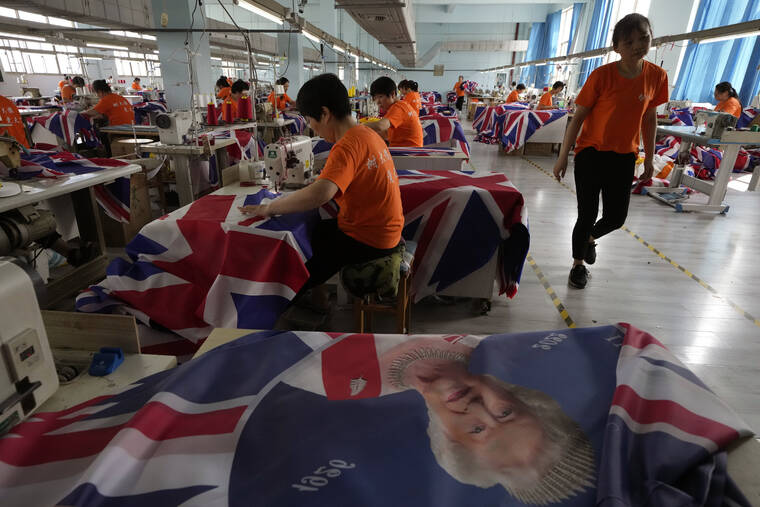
pixel 514 95
pixel 546 100
pixel 283 101
pixel 223 88
pixel 237 90
pixel 459 90
pixel 728 99
pixel 360 176
pixel 70 89
pixel 409 89
pixel 400 123
pixel 136 86
pixel 63 82
pixel 111 106
pixel 9 115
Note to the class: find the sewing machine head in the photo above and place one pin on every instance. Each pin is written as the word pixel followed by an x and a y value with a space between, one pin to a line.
pixel 10 152
pixel 677 104
pixel 715 123
pixel 174 126
pixel 27 370
pixel 290 161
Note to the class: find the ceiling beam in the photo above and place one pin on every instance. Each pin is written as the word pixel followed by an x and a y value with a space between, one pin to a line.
pixel 503 13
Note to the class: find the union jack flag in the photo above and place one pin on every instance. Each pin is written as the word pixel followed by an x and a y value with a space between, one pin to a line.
pixel 246 145
pixel 143 110
pixel 421 152
pixel 220 429
pixel 746 118
pixel 704 161
pixel 459 222
pixel 470 86
pixel 451 97
pixel 438 110
pixel 175 280
pixel 485 119
pixel 442 131
pixel 430 97
pixel 519 126
pixel 299 125
pixel 68 125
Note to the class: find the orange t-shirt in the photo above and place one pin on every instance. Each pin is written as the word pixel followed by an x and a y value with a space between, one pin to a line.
pixel 513 96
pixel 458 89
pixel 617 106
pixel 224 93
pixel 405 129
pixel 369 197
pixel 116 108
pixel 61 83
pixel 546 100
pixel 136 86
pixel 414 100
pixel 730 106
pixel 282 101
pixel 9 114
pixel 230 80
pixel 68 92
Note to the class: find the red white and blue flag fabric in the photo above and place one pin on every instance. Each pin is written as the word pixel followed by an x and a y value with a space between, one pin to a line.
pixel 114 197
pixel 470 86
pixel 705 161
pixel 430 97
pixel 451 97
pixel 69 126
pixel 422 152
pixel 438 110
pixel 143 110
pixel 246 145
pixel 315 419
pixel 299 125
pixel 748 115
pixel 207 265
pixel 517 127
pixel 485 119
pixel 460 221
pixel 437 130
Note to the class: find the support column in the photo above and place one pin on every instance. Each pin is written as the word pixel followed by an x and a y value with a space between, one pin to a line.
pixel 172 53
pixel 291 45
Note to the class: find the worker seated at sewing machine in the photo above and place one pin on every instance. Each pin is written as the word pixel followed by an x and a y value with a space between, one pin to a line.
pixel 222 88
pixel 136 86
pixel 514 95
pixel 728 99
pixel 69 90
pixel 547 99
pixel 360 176
pixel 401 123
pixel 9 115
pixel 283 101
pixel 111 109
pixel 237 90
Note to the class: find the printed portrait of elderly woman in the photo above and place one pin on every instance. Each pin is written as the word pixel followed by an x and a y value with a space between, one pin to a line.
pixel 486 432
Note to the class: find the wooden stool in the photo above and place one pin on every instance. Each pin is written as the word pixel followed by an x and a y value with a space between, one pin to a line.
pixel 366 307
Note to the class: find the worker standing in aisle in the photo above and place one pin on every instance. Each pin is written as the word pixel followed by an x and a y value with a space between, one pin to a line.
pixel 617 103
pixel 400 123
pixel 459 90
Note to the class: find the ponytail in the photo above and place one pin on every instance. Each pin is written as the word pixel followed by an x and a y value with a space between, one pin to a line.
pixel 413 85
pixel 725 87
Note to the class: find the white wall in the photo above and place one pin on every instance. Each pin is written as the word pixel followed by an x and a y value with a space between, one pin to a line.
pixel 47 83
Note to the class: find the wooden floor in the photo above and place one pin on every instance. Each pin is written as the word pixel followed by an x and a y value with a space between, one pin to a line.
pixel 631 283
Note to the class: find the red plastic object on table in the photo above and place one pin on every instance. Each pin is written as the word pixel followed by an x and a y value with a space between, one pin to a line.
pixel 227 112
pixel 211 118
pixel 244 108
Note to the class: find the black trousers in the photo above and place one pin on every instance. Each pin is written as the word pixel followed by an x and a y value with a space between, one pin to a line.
pixel 611 174
pixel 332 249
pixel 460 101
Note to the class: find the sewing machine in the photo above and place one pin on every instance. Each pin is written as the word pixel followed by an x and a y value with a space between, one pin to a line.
pixel 290 161
pixel 27 370
pixel 677 104
pixel 10 151
pixel 715 123
pixel 174 126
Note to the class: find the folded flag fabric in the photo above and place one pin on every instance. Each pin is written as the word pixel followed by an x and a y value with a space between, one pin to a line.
pixel 207 265
pixel 517 127
pixel 470 86
pixel 143 110
pixel 438 130
pixel 68 125
pixel 485 119
pixel 439 110
pixel 451 97
pixel 299 125
pixel 430 97
pixel 320 148
pixel 746 118
pixel 637 428
pixel 459 222
pixel 705 161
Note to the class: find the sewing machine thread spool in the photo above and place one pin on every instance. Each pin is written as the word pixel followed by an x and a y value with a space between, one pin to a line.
pixel 211 118
pixel 227 112
pixel 244 108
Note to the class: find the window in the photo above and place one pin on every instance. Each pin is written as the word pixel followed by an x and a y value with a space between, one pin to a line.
pixel 566 19
pixel 39 63
pixel 620 9
pixel 60 22
pixel 69 64
pixel 7 13
pixel 341 73
pixel 31 16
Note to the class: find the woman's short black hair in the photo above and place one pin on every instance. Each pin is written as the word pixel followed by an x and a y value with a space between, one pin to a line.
pixel 100 85
pixel 403 84
pixel 558 84
pixel 382 86
pixel 625 27
pixel 520 86
pixel 222 82
pixel 137 79
pixel 282 81
pixel 325 90
pixel 725 86
pixel 412 85
pixel 240 86
pixel 514 83
pixel 78 82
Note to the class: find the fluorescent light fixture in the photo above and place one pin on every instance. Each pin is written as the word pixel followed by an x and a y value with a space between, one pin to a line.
pixel 60 22
pixel 365 59
pixel 119 33
pixel 32 16
pixel 7 13
pixel 155 51
pixel 261 12
pixel 722 38
pixel 20 36
pixel 149 37
pixel 106 46
pixel 91 58
pixel 311 37
pixel 338 48
pixel 215 58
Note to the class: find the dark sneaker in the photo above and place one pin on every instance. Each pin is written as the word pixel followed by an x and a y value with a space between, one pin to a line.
pixel 578 277
pixel 590 257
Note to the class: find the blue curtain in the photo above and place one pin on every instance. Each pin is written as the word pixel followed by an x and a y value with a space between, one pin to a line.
pixel 577 9
pixel 535 41
pixel 705 65
pixel 597 36
pixel 549 47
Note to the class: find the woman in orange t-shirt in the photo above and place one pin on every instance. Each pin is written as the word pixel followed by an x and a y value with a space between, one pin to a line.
pixel 514 95
pixel 409 90
pixel 547 99
pixel 136 86
pixel 223 88
pixel 283 101
pixel 618 101
pixel 9 115
pixel 401 123
pixel 360 176
pixel 728 99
